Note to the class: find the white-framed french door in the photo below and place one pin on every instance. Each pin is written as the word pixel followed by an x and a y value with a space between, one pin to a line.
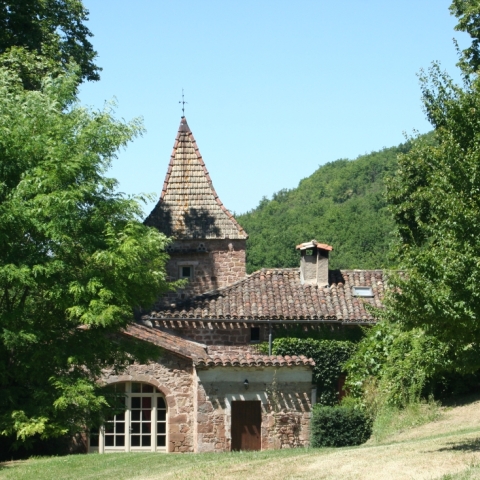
pixel 141 427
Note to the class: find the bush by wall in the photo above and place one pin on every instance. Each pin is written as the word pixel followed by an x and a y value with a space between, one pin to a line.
pixel 340 426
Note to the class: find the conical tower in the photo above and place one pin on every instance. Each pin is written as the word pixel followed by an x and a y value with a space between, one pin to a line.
pixel 209 244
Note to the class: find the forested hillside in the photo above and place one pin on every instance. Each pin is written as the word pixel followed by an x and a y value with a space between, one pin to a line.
pixel 342 204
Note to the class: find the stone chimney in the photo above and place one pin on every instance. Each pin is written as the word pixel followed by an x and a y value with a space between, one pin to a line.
pixel 314 263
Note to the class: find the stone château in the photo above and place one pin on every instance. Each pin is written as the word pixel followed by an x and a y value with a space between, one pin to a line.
pixel 211 390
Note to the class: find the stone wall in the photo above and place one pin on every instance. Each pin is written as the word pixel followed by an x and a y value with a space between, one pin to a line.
pixel 173 376
pixel 285 395
pixel 214 334
pixel 216 264
pixel 218 337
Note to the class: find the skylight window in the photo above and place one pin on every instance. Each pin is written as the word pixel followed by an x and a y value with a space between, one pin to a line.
pixel 362 291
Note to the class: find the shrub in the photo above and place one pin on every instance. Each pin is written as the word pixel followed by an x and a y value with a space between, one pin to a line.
pixel 398 363
pixel 340 426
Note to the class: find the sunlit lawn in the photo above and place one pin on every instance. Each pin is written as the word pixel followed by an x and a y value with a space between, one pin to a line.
pixel 447 448
pixel 141 465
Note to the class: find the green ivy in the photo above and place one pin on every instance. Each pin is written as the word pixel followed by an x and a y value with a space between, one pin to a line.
pixel 329 357
pixel 353 333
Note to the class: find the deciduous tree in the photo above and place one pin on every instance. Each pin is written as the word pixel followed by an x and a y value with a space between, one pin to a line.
pixel 435 200
pixel 54 29
pixel 468 14
pixel 74 258
pixel 431 323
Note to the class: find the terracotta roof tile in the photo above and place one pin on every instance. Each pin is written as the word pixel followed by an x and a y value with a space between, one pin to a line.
pixel 312 244
pixel 181 346
pixel 248 360
pixel 277 294
pixel 198 354
pixel 189 206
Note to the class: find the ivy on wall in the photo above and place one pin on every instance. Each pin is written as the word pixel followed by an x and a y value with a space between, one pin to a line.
pixel 329 357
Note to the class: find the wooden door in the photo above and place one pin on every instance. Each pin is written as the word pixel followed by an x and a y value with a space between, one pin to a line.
pixel 246 425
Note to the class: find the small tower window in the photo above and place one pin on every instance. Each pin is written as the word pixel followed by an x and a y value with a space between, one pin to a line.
pixel 186 271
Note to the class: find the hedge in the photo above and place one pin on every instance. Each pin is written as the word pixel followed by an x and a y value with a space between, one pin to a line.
pixel 340 426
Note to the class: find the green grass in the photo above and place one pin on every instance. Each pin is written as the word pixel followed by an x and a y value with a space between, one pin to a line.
pixel 472 472
pixel 443 447
pixel 122 466
pixel 390 420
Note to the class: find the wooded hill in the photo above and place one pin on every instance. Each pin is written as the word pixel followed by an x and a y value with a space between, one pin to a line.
pixel 342 203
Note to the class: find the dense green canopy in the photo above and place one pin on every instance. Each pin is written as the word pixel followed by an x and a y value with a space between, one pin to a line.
pixel 342 203
pixel 54 29
pixel 75 259
pixel 435 200
pixel 431 324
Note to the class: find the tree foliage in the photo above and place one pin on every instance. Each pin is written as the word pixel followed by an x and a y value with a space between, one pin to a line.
pixel 402 364
pixel 435 201
pixel 467 13
pixel 75 260
pixel 54 29
pixel 431 324
pixel 342 204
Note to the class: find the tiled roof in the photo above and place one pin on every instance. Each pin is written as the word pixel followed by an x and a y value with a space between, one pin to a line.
pixel 189 207
pixel 200 357
pixel 277 294
pixel 248 360
pixel 181 346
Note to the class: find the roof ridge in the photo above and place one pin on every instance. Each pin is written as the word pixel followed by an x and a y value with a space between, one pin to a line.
pixel 237 359
pixel 244 279
pixel 226 288
pixel 219 291
pixel 216 291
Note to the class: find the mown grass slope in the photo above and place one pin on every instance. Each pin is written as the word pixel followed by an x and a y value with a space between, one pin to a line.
pixel 448 448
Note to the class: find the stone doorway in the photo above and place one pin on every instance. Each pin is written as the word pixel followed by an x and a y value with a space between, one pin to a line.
pixel 246 425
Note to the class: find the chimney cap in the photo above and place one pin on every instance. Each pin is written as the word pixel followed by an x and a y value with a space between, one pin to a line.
pixel 314 244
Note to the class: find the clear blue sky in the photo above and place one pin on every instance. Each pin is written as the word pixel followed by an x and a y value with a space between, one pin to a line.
pixel 274 88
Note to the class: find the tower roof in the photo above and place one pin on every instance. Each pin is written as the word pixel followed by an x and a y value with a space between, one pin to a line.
pixel 189 206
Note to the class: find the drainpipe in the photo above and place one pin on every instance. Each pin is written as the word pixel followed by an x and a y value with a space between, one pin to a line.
pixel 269 339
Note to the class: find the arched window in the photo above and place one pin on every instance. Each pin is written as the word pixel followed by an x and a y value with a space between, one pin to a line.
pixel 141 426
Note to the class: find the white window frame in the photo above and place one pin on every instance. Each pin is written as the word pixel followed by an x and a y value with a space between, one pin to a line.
pixel 102 448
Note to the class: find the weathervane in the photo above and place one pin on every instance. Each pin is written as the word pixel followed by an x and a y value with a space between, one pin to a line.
pixel 183 102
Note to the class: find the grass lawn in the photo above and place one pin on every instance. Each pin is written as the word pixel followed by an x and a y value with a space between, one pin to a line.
pixel 149 465
pixel 447 448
